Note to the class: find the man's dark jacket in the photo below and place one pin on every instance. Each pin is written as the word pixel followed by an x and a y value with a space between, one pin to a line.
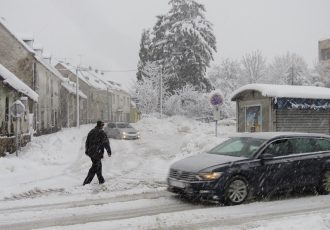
pixel 96 142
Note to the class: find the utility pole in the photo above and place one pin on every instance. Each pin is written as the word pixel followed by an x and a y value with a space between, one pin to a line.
pixel 161 93
pixel 292 74
pixel 77 93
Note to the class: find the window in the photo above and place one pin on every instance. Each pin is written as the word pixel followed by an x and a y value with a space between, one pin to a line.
pixel 47 84
pixel 278 148
pixel 321 145
pixel 301 145
pixel 7 109
pixel 325 54
pixel 52 88
pixel 253 119
pixel 238 146
pixel 53 118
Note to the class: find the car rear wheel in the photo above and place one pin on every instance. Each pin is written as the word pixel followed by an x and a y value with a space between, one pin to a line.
pixel 237 191
pixel 325 183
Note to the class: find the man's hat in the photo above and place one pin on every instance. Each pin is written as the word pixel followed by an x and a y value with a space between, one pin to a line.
pixel 99 123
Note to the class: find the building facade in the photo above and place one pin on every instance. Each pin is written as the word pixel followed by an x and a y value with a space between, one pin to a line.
pixel 324 51
pixel 12 89
pixel 266 108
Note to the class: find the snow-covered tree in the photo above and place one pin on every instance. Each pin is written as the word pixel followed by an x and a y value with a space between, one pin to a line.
pixel 289 69
pixel 226 78
pixel 188 102
pixel 321 74
pixel 144 53
pixel 182 42
pixel 151 89
pixel 254 67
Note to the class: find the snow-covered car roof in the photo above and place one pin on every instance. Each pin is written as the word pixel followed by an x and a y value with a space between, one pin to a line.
pixel 17 84
pixel 271 135
pixel 287 91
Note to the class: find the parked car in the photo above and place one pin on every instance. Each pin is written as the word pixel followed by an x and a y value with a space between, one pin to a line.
pixel 121 130
pixel 253 165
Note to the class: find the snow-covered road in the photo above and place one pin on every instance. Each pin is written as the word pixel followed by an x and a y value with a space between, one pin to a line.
pixel 42 187
pixel 163 211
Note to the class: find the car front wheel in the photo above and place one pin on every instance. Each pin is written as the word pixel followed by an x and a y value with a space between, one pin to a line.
pixel 237 191
pixel 325 183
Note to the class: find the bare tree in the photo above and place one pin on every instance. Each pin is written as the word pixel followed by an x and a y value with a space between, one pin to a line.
pixel 254 67
pixel 289 69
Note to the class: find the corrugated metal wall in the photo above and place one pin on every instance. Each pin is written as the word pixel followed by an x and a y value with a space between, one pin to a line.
pixel 311 121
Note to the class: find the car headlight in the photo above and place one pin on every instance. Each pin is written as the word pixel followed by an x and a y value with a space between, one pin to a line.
pixel 123 133
pixel 209 175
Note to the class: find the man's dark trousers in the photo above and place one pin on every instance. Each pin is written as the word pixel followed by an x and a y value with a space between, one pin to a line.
pixel 95 169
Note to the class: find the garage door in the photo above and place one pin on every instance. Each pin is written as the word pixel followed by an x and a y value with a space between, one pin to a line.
pixel 311 121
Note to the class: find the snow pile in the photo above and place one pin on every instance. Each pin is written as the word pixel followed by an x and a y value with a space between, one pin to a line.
pixel 57 162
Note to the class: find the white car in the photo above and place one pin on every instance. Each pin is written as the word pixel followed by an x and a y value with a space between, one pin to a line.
pixel 121 130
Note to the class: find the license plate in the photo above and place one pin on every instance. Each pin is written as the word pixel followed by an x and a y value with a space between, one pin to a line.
pixel 177 184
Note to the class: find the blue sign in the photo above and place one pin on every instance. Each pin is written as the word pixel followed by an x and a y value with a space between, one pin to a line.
pixel 216 99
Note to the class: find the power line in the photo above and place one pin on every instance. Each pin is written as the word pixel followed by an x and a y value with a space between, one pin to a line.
pixel 102 71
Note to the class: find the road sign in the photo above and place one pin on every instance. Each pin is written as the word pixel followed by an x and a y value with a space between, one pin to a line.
pixel 17 109
pixel 216 113
pixel 216 99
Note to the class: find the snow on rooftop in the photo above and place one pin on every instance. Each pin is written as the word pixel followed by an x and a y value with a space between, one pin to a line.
pixel 49 67
pixel 93 80
pixel 38 46
pixel 17 84
pixel 26 37
pixel 4 24
pixel 287 91
pixel 71 87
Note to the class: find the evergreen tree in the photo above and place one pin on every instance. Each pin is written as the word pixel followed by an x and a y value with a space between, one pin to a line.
pixel 182 44
pixel 144 53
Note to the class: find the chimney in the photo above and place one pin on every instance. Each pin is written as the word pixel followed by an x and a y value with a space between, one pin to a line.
pixel 29 40
pixel 38 49
pixel 47 58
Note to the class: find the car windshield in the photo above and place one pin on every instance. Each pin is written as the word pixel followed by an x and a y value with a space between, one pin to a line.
pixel 124 125
pixel 238 147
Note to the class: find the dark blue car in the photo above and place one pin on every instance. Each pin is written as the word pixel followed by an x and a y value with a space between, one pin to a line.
pixel 254 164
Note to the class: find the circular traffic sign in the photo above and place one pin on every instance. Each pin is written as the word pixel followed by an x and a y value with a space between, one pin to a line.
pixel 216 99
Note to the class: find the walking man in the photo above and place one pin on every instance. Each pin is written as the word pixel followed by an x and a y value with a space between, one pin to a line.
pixel 96 142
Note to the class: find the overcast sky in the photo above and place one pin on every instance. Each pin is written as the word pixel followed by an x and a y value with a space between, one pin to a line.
pixel 106 34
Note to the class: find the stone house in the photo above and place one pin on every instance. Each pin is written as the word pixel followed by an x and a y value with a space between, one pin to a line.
pixel 121 103
pixel 98 92
pixel 19 57
pixel 68 102
pixel 324 51
pixel 48 83
pixel 16 55
pixel 266 108
pixel 12 89
pixel 85 107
